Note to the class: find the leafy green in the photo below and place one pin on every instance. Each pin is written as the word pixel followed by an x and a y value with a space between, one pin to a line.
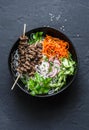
pixel 35 37
pixel 67 68
pixel 40 85
pixel 24 79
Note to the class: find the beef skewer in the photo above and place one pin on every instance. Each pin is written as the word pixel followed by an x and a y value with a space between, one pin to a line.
pixel 29 56
pixel 19 73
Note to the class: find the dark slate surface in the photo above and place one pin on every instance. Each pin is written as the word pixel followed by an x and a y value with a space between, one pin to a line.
pixel 69 111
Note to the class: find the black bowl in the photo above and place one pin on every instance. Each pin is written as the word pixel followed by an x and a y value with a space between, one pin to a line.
pixel 52 32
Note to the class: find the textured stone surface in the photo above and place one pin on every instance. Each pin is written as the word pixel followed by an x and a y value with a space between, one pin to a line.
pixel 69 111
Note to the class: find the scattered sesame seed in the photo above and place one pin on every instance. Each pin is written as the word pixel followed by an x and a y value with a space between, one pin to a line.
pixel 63 26
pixel 50 14
pixel 58 17
pixel 65 20
pixel 51 19
pixel 63 29
pixel 78 35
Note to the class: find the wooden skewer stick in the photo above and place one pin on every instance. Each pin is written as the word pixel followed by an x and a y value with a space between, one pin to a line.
pixel 24 30
pixel 15 82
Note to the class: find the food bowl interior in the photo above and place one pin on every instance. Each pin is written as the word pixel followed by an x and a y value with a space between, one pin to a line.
pixel 54 33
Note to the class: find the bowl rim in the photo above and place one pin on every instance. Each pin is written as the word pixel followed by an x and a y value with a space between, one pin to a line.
pixel 59 91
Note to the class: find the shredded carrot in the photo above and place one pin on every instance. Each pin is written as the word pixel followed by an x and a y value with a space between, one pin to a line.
pixel 54 47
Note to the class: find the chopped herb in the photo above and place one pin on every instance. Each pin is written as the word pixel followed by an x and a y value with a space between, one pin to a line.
pixel 35 37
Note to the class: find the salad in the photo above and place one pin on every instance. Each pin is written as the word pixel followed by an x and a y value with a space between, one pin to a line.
pixel 44 63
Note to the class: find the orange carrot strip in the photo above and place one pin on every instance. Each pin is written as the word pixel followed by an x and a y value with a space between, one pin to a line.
pixel 54 47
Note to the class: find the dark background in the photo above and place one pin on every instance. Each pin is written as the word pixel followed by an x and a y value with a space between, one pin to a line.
pixel 68 111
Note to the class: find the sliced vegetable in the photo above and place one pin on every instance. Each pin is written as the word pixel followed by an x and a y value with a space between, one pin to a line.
pixel 35 37
pixel 38 84
pixel 54 47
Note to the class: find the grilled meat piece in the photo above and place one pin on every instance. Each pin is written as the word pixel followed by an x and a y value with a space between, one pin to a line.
pixel 39 45
pixel 23 38
pixel 30 55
